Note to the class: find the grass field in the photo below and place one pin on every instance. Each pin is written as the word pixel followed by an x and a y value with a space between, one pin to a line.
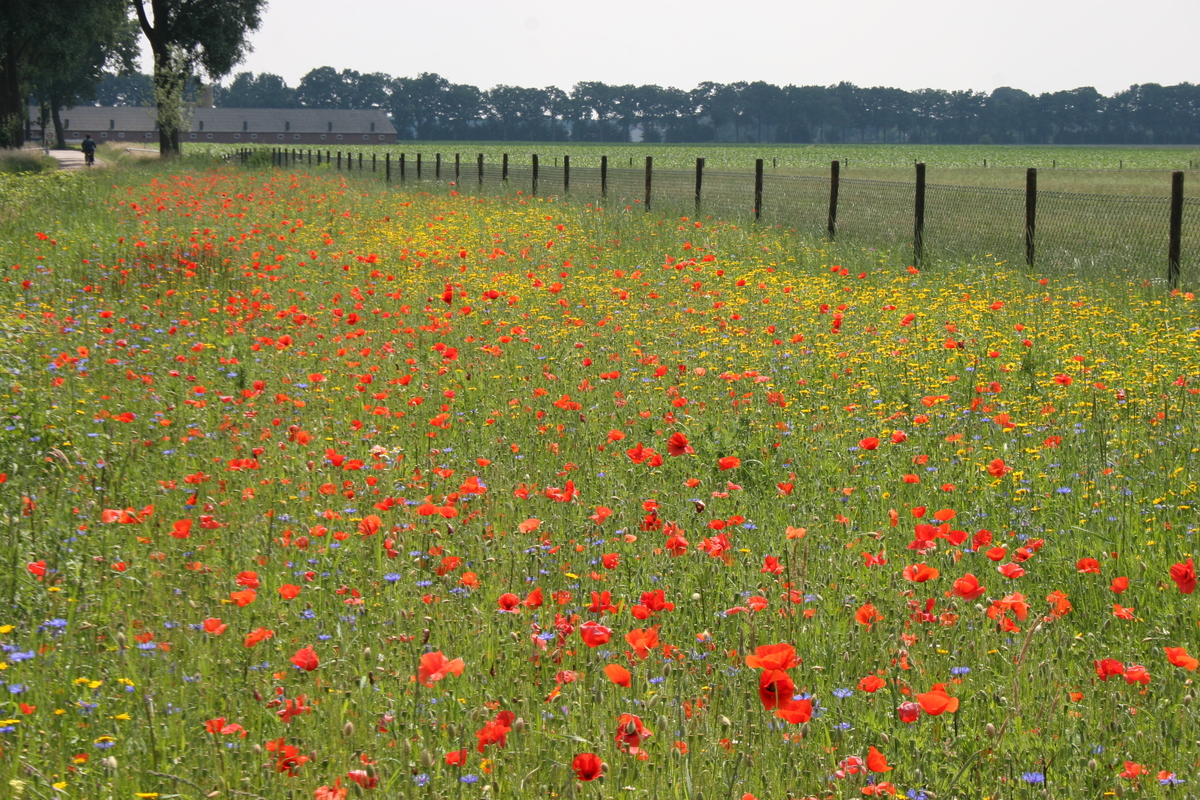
pixel 1104 170
pixel 314 487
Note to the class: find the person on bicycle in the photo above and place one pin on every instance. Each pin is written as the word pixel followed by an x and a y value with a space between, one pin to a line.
pixel 89 150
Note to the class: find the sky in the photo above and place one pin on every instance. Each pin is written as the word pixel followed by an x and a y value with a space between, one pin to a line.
pixel 1035 45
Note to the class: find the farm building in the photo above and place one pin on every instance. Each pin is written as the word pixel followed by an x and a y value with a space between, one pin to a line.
pixel 278 126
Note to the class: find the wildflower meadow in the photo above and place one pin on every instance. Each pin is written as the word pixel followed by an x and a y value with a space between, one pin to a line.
pixel 318 488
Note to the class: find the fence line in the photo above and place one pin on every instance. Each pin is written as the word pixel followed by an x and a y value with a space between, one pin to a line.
pixel 1036 226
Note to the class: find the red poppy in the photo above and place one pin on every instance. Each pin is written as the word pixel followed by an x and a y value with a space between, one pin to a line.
pixel 869 443
pixel 773 657
pixel 618 675
pixel 594 634
pixel 775 689
pixel 287 757
pixel 1088 565
pixel 1184 576
pixel 435 666
pixel 967 587
pixel 587 766
pixel 306 658
pixel 1178 656
pixel 678 445
pixel 1107 667
pixel 729 462
pixel 796 712
pixel 534 599
pixel 936 701
pixel 248 579
pixel 289 591
pixel 509 602
pixel 257 635
pixel 456 757
pixel 871 684
pixel 214 626
pixel 244 597
pixel 867 615
pixel 630 735
pixel 1119 585
pixel 1136 673
pixel 908 712
pixel 919 573
pixel 496 730
pixel 643 640
pixel 1011 570
pixel 601 601
pixel 877 761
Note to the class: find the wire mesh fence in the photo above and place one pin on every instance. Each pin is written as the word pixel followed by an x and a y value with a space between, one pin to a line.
pixel 1088 233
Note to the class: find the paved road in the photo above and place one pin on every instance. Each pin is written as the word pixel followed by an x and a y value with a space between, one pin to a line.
pixel 71 159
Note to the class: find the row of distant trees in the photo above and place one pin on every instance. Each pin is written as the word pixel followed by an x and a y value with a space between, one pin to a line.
pixel 431 107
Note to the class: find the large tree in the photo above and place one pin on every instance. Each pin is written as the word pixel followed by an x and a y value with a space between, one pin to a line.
pixel 79 66
pixel 41 40
pixel 190 35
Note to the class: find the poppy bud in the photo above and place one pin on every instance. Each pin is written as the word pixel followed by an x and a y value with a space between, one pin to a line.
pixel 804 731
pixel 257 749
pixel 699 507
pixel 724 720
pixel 695 597
pixel 109 762
pixel 348 730
pixel 990 730
pixel 518 725
pixel 886 739
pixel 666 669
pixel 1092 765
pixel 120 640
pixel 426 760
pixel 1119 791
pixel 425 636
pixel 366 652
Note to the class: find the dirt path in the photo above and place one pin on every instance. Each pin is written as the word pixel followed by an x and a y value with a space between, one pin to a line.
pixel 71 159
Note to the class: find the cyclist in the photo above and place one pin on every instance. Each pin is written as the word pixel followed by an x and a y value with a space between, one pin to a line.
pixel 89 150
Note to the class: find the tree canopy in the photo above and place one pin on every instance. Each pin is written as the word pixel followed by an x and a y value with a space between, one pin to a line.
pixel 188 36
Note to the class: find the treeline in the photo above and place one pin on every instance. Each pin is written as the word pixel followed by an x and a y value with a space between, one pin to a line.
pixel 431 107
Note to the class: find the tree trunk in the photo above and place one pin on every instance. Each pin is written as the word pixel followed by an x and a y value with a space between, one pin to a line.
pixel 12 105
pixel 60 134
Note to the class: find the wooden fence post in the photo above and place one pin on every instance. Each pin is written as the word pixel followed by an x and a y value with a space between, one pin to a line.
pixel 457 171
pixel 835 169
pixel 603 176
pixel 566 174
pixel 402 176
pixel 418 166
pixel 387 166
pixel 1030 214
pixel 360 155
pixel 758 187
pixel 1176 234
pixel 339 166
pixel 535 173
pixel 504 169
pixel 919 216
pixel 649 168
pixel 480 162
pixel 437 166
pixel 699 181
pixel 372 162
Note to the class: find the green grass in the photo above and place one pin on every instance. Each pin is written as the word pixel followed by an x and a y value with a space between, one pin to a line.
pixel 25 162
pixel 221 347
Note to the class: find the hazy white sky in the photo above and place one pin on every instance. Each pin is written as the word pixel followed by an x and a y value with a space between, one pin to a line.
pixel 1036 45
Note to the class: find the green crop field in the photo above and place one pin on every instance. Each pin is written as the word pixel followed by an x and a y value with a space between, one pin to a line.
pixel 318 487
